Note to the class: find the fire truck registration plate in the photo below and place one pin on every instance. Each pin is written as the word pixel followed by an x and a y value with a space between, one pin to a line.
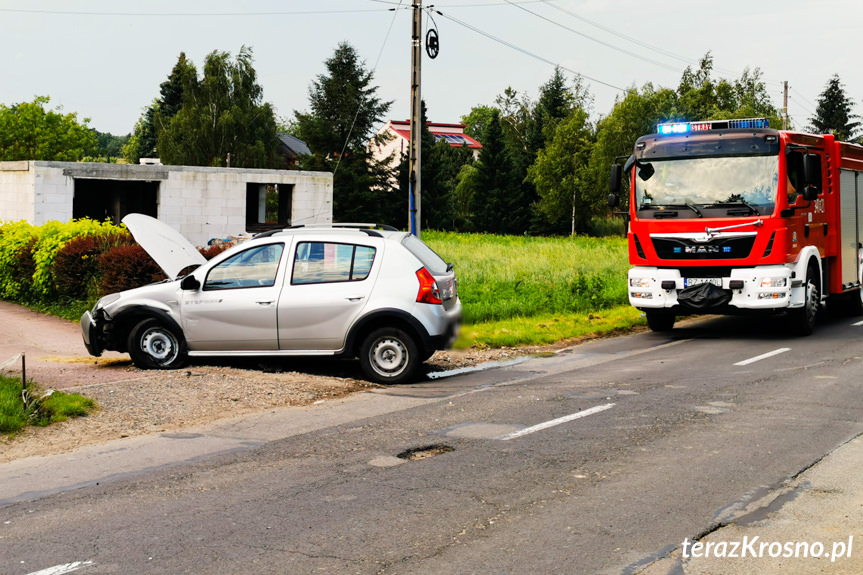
pixel 696 281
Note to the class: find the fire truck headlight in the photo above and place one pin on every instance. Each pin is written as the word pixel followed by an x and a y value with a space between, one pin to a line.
pixel 643 283
pixel 773 282
pixel 641 295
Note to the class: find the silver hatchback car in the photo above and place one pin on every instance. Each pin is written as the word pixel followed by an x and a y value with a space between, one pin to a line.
pixel 338 290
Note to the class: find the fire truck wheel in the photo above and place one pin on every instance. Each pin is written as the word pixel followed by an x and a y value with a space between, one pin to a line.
pixel 803 319
pixel 657 321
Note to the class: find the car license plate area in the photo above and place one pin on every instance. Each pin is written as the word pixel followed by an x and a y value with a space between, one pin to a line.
pixel 689 282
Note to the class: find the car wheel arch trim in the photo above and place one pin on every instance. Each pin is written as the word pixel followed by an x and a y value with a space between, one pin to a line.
pixel 386 318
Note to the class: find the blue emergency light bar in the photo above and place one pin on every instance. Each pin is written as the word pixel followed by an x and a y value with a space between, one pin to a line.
pixel 685 127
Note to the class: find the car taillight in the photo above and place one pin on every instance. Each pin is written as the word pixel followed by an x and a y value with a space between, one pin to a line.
pixel 429 292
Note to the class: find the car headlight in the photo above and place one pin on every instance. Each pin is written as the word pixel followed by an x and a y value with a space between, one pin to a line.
pixel 107 300
pixel 643 283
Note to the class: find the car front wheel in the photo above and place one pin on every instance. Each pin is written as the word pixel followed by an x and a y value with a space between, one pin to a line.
pixel 389 356
pixel 153 345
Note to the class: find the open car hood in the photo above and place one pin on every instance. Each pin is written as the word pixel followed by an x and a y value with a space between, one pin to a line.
pixel 168 248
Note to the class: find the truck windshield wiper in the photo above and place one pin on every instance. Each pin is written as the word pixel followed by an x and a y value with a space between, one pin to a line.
pixel 752 209
pixel 662 207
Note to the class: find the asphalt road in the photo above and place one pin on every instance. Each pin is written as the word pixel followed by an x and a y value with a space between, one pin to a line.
pixel 597 460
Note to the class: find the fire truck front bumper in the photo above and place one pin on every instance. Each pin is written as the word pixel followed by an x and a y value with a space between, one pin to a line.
pixel 758 288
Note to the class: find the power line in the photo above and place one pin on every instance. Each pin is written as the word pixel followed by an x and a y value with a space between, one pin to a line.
pixel 606 44
pixel 687 61
pixel 802 98
pixel 189 14
pixel 525 52
pixel 360 105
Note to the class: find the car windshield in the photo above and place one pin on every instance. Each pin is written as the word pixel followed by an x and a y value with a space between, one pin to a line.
pixel 749 182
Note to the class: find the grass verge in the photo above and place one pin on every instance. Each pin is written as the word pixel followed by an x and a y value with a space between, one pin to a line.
pixel 548 329
pixel 31 406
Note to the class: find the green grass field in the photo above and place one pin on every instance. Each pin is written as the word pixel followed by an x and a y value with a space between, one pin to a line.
pixel 533 290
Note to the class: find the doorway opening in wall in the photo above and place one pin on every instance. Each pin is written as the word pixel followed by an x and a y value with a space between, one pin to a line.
pixel 114 199
pixel 268 206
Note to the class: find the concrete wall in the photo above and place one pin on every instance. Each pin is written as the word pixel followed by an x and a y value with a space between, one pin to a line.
pixel 17 191
pixel 201 203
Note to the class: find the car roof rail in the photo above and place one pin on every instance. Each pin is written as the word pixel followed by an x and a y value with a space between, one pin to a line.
pixel 360 227
pixel 346 225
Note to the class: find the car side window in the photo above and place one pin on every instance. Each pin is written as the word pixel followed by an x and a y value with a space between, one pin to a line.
pixel 255 267
pixel 325 262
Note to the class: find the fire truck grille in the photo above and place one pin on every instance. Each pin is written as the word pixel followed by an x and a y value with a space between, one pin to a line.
pixel 716 249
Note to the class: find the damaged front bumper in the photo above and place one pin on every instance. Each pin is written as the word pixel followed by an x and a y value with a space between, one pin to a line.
pixel 91 330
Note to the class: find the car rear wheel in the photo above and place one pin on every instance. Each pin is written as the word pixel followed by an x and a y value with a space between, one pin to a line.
pixel 153 345
pixel 389 356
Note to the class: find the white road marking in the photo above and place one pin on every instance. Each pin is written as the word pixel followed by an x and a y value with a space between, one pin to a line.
pixel 62 569
pixel 763 356
pixel 557 421
pixel 859 323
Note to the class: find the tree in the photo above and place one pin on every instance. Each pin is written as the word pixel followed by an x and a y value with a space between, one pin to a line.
pixel 833 114
pixel 30 132
pixel 223 119
pixel 496 204
pixel 144 140
pixel 560 175
pixel 476 123
pixel 344 109
pixel 702 98
pixel 110 146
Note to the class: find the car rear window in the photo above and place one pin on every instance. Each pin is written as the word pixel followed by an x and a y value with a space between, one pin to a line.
pixel 429 258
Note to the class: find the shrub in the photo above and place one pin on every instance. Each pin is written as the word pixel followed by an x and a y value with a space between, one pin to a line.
pixel 51 238
pixel 127 267
pixel 76 266
pixel 17 240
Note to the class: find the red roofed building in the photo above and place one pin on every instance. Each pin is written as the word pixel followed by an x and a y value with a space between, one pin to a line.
pixel 399 144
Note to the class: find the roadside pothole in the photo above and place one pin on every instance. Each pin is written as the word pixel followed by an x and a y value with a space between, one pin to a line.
pixel 424 452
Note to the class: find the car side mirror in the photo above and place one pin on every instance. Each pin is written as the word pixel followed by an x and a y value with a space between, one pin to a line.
pixel 190 283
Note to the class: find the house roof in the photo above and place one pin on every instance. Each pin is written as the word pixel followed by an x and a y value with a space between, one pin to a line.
pixel 453 134
pixel 294 145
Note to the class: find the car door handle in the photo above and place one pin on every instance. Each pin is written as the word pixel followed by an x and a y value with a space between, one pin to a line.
pixel 264 302
pixel 355 297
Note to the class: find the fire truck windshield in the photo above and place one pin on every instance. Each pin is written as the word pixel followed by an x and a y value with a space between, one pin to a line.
pixel 718 187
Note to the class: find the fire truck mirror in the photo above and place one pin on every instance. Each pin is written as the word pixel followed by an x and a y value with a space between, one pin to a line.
pixel 614 183
pixel 812 176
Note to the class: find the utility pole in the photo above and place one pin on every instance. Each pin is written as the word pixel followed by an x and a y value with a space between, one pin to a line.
pixel 785 107
pixel 416 130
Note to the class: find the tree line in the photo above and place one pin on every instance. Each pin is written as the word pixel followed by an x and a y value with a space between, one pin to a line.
pixel 542 170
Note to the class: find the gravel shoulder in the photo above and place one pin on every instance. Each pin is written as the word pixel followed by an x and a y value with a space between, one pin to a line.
pixel 135 402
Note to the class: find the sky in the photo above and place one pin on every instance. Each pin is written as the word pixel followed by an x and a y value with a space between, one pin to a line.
pixel 105 59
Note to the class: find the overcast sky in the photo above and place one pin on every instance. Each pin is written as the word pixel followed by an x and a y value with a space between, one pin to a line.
pixel 105 59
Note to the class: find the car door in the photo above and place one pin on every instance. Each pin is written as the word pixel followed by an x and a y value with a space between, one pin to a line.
pixel 235 308
pixel 327 287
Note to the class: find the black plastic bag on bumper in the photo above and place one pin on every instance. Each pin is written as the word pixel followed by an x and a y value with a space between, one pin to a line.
pixel 703 296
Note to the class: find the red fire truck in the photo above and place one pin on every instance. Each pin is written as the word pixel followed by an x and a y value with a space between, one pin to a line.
pixel 734 217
